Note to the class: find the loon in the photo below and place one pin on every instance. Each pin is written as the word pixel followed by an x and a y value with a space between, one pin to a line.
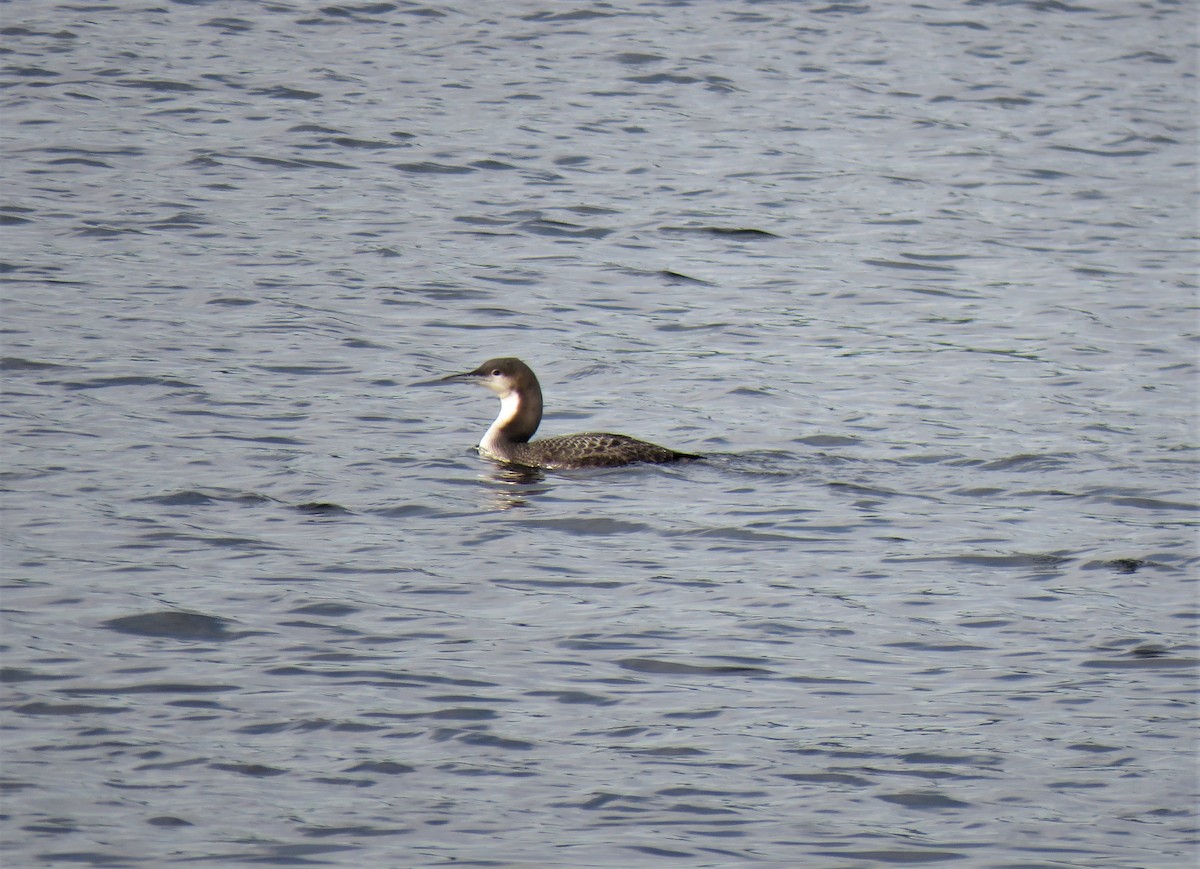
pixel 508 438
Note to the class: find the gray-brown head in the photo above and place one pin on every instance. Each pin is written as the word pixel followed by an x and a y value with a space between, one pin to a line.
pixel 519 392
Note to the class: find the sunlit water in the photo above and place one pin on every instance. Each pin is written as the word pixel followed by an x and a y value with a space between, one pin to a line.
pixel 918 279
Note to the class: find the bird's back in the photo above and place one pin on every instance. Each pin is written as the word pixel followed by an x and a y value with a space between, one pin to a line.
pixel 591 450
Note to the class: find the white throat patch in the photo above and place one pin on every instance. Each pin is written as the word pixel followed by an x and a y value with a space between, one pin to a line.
pixel 509 405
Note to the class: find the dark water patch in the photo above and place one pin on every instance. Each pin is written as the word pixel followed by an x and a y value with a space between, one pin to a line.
pixel 665 853
pixel 789 628
pixel 490 771
pixel 229 25
pixel 30 72
pixel 703 811
pixel 322 508
pixel 605 800
pixel 453 714
pixel 743 535
pixel 675 668
pixel 944 759
pixel 13 220
pixel 288 163
pixel 382 767
pixel 910 266
pixel 1154 504
pixel 154 539
pixel 560 229
pixel 354 832
pixel 673 277
pixel 663 78
pixel 367 145
pixel 587 644
pixel 562 583
pixel 837 778
pixel 969 25
pixel 151 688
pixel 874 491
pixel 232 302
pixel 1093 748
pixel 14 363
pixel 303 624
pixel 493 165
pixel 206 498
pixel 181 220
pixel 431 168
pixel 282 92
pixel 940 458
pixel 1149 651
pixel 692 327
pixel 1148 56
pixel 1123 566
pixel 670 752
pixel 923 800
pixel 325 609
pixel 167 765
pixel 316 128
pixel 80 161
pixel 160 85
pixel 489 740
pixel 269 440
pixel 175 625
pixel 574 697
pixel 269 853
pixel 918 646
pixel 585 527
pixel 168 821
pixel 478 220
pixel 68 709
pixel 308 725
pixel 947 293
pixel 721 232
pixel 13 30
pixel 757 463
pixel 13 675
pixel 1006 102
pixel 1138 662
pixel 578 15
pixel 128 380
pixel 897 857
pixel 977 492
pixel 306 369
pixel 404 511
pixel 361 12
pixel 635 58
pixel 1040 561
pixel 379 677
pixel 823 440
pixel 253 770
pixel 1130 152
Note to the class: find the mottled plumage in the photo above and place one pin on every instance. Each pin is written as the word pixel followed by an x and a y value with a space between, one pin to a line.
pixel 508 438
pixel 589 450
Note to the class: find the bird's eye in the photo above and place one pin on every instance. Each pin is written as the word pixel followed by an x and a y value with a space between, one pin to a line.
pixel 495 372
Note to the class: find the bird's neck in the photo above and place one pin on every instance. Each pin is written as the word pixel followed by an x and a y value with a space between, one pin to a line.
pixel 520 415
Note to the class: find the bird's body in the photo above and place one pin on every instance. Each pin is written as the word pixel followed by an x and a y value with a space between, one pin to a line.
pixel 509 437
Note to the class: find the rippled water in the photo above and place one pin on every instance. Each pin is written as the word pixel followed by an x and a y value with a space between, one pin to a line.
pixel 918 279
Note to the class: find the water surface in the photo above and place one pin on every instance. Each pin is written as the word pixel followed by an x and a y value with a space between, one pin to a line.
pixel 918 279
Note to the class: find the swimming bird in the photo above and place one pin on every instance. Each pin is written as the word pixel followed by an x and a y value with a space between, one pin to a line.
pixel 508 438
